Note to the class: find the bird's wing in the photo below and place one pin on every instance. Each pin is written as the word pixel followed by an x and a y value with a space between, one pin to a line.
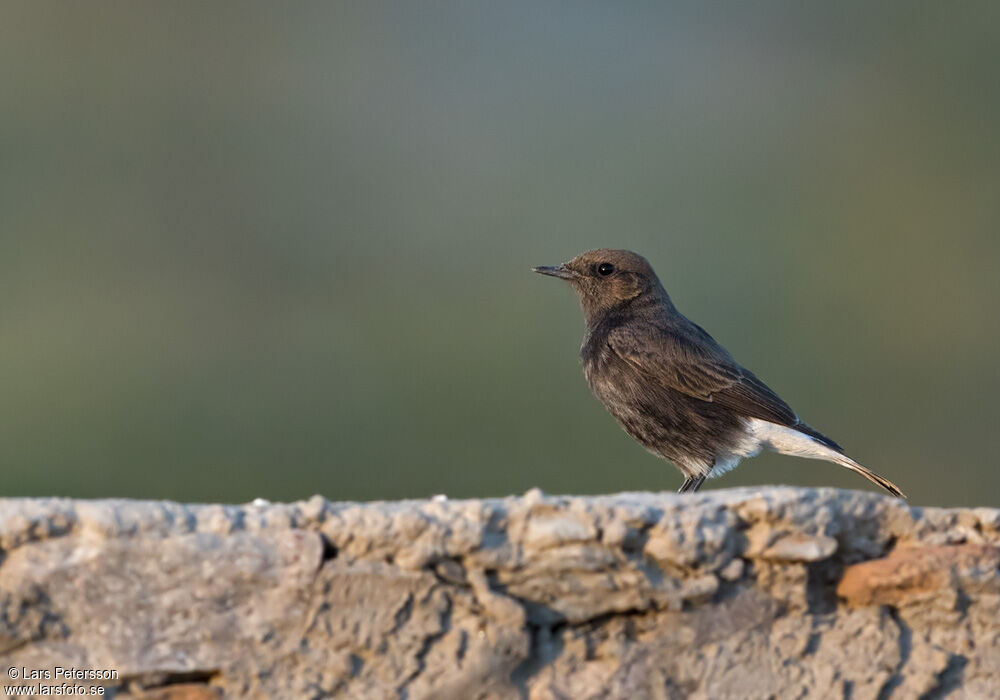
pixel 689 360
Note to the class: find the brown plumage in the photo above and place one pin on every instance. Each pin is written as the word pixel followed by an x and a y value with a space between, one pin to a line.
pixel 670 385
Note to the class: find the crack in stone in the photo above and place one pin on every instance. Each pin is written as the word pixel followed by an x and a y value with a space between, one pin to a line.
pixel 428 642
pixel 905 649
pixel 163 679
pixel 950 679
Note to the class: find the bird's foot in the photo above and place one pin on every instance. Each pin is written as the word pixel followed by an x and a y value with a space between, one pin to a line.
pixel 691 483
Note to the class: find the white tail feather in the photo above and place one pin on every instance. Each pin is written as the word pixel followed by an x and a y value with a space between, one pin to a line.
pixel 789 441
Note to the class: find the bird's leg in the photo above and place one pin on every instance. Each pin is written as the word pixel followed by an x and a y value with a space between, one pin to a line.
pixel 691 483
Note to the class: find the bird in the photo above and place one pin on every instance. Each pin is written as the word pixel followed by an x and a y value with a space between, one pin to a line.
pixel 671 386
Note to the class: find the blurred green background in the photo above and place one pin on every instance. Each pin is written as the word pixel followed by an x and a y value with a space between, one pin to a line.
pixel 250 249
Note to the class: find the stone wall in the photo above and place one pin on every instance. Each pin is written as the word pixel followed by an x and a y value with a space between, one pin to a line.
pixel 746 593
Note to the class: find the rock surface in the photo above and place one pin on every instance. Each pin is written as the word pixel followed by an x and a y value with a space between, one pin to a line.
pixel 749 593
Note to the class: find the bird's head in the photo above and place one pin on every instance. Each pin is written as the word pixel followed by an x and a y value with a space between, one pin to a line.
pixel 607 279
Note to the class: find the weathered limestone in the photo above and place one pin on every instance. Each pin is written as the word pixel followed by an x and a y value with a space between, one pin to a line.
pixel 746 593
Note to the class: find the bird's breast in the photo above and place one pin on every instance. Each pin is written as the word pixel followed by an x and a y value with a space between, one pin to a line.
pixel 613 381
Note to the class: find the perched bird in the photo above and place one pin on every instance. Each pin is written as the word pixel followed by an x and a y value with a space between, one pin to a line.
pixel 671 386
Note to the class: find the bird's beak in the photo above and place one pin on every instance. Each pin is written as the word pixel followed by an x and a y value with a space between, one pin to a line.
pixel 560 271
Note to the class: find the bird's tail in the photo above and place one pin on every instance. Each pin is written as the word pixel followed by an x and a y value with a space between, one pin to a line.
pixel 803 441
pixel 838 457
pixel 845 461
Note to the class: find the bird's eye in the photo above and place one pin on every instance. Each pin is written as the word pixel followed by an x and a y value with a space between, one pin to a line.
pixel 605 269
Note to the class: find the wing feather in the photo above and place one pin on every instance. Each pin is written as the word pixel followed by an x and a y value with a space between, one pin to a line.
pixel 689 360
